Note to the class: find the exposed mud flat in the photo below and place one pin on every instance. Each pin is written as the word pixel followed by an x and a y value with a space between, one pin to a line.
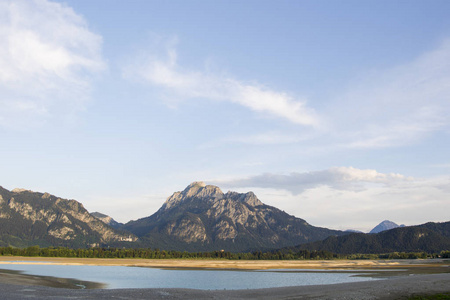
pixel 395 288
pixel 404 278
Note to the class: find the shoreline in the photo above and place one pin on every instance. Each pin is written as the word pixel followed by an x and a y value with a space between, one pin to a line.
pixel 388 289
pixel 235 264
pixel 405 278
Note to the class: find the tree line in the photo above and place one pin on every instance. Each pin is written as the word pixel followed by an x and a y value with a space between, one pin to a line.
pixel 149 253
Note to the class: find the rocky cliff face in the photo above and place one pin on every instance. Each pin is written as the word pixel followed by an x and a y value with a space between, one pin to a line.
pixel 34 218
pixel 107 220
pixel 203 218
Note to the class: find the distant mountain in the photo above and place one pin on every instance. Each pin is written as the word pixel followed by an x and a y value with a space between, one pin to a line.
pixel 30 218
pixel 385 225
pixel 203 218
pixel 107 220
pixel 429 237
pixel 200 218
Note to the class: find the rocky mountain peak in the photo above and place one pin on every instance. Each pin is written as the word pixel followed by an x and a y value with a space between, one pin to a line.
pixel 19 190
pixel 196 189
pixel 210 191
pixel 203 217
pixel 192 189
pixel 200 189
pixel 251 199
pixel 196 184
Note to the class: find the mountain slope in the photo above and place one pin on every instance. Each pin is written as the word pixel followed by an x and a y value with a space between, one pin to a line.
pixel 107 220
pixel 30 218
pixel 385 225
pixel 429 237
pixel 203 218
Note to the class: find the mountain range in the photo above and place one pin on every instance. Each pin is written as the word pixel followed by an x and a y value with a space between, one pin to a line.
pixel 199 218
pixel 203 218
pixel 430 237
pixel 29 218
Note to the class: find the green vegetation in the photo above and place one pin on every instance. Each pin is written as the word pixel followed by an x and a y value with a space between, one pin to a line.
pixel 157 254
pixel 148 253
pixel 429 238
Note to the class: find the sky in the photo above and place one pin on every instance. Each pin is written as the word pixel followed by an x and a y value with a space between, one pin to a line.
pixel 336 112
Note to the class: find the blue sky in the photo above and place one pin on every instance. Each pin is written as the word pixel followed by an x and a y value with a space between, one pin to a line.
pixel 334 111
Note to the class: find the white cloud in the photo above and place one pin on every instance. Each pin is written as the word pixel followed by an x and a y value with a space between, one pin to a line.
pixel 47 57
pixel 344 209
pixel 398 106
pixel 187 84
pixel 347 197
pixel 383 108
pixel 341 178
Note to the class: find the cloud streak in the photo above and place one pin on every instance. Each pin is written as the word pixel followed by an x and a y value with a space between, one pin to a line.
pixel 188 84
pixel 342 197
pixel 340 178
pixel 47 57
pixel 386 108
pixel 398 106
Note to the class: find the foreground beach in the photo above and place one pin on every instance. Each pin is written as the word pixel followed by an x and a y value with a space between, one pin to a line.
pixel 398 288
pixel 406 278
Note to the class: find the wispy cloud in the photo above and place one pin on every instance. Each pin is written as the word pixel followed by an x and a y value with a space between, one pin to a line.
pixel 349 196
pixel 391 107
pixel 341 178
pixel 397 106
pixel 47 56
pixel 165 72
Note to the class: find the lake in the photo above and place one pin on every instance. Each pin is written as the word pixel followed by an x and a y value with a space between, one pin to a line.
pixel 115 277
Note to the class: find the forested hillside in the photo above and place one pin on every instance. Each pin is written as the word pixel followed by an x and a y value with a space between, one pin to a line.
pixel 429 237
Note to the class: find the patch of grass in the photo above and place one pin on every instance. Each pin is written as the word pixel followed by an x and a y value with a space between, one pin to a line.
pixel 445 296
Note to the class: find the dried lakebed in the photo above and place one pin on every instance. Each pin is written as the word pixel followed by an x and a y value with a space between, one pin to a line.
pixel 397 284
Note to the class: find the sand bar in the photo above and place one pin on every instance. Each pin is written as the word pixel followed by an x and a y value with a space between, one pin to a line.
pixel 416 278
pixel 236 264
pixel 390 289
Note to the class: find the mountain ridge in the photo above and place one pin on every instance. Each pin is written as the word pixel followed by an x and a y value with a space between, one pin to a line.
pixel 199 218
pixel 28 218
pixel 202 218
pixel 431 237
pixel 107 220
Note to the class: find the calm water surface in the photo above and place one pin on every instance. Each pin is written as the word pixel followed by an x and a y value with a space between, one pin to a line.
pixel 136 277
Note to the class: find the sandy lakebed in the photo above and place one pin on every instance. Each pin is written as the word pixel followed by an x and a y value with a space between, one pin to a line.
pixel 404 278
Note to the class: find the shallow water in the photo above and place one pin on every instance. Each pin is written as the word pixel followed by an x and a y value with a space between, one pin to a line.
pixel 138 277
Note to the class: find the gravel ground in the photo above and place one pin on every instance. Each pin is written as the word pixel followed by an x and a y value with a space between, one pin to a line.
pixel 392 288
